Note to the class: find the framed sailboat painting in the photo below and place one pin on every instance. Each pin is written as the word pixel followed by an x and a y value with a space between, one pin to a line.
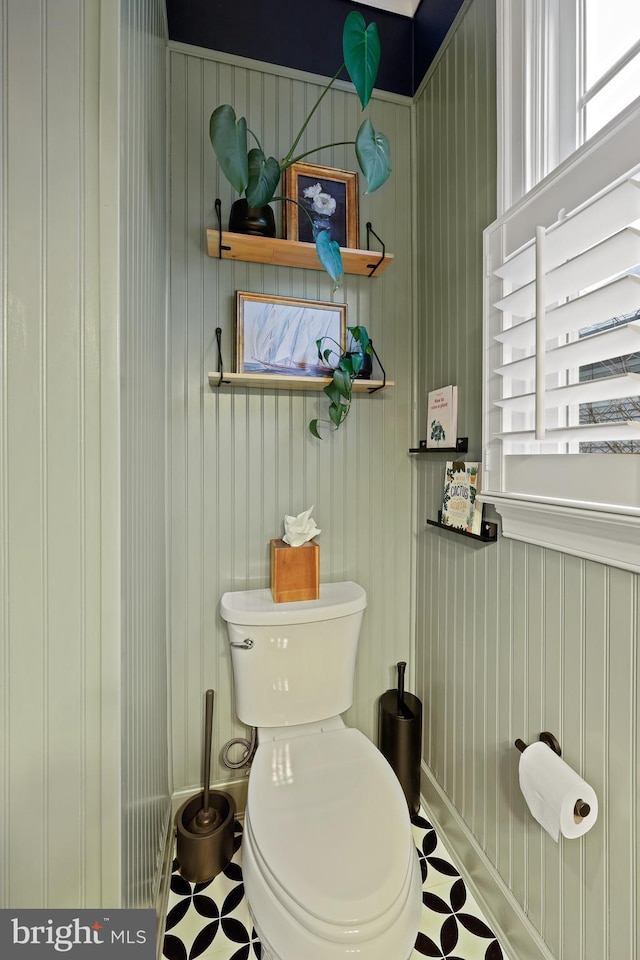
pixel 277 335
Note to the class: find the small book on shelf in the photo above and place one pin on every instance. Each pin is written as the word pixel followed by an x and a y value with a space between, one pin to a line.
pixel 442 417
pixel 460 506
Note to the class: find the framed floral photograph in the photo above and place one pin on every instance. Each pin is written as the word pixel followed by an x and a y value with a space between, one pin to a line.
pixel 327 199
pixel 277 335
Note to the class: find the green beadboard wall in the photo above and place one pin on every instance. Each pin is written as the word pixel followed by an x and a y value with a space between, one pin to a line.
pixel 240 459
pixel 144 221
pixel 512 639
pixel 84 776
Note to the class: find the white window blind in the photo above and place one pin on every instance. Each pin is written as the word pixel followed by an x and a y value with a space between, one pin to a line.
pixel 574 301
pixel 562 347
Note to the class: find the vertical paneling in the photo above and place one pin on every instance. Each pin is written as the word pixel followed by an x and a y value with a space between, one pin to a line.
pixel 240 460
pixel 143 415
pixel 82 628
pixel 50 468
pixel 23 300
pixel 4 492
pixel 517 638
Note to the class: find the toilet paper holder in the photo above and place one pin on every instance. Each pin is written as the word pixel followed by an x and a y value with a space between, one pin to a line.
pixel 581 808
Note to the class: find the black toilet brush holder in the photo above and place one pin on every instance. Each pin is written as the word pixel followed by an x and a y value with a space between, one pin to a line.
pixel 400 737
pixel 204 822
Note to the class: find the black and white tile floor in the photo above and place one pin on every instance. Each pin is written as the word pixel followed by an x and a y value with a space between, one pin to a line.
pixel 211 920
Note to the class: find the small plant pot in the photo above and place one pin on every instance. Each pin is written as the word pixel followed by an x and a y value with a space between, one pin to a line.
pixel 367 366
pixel 254 221
pixel 203 855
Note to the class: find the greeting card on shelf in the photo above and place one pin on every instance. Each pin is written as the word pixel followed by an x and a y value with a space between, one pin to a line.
pixel 460 508
pixel 442 418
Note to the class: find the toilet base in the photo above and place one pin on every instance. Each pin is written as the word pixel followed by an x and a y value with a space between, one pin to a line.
pixel 284 938
pixel 266 952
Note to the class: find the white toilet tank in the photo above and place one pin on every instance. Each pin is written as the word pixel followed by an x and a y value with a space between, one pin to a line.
pixel 293 663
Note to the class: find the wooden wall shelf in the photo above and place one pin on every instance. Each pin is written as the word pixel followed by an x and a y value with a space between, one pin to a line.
pixel 271 381
pixel 489 530
pixel 291 253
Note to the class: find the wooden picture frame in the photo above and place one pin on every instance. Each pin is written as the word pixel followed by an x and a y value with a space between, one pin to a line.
pixel 329 195
pixel 277 335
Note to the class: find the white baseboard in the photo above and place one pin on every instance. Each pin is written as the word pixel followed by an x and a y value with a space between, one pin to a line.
pixel 505 916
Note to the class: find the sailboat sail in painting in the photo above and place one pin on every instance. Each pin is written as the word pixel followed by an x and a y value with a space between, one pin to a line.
pixel 278 334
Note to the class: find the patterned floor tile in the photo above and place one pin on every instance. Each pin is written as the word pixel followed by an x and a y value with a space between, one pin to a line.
pixel 211 920
pixel 453 927
pixel 435 863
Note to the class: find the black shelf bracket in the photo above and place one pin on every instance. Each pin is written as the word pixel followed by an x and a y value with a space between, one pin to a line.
pixel 384 375
pixel 220 364
pixel 218 206
pixel 462 446
pixel 374 266
pixel 489 530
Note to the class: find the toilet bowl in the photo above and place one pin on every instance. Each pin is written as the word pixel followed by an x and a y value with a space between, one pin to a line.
pixel 330 867
pixel 329 863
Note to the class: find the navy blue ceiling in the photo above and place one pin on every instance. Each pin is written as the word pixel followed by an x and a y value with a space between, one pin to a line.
pixel 306 37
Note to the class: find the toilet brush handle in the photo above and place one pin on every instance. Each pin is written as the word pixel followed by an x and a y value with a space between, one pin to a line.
pixel 208 723
pixel 402 666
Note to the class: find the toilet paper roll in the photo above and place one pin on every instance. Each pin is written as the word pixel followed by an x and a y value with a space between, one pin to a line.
pixel 551 789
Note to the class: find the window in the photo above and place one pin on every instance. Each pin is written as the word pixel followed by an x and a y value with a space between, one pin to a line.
pixel 609 61
pixel 566 68
pixel 561 429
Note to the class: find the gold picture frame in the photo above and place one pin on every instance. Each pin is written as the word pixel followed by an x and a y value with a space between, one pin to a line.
pixel 330 197
pixel 277 335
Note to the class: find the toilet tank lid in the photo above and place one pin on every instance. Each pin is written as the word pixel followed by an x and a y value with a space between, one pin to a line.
pixel 255 607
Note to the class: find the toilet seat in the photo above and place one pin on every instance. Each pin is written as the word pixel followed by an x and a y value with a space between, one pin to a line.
pixel 329 828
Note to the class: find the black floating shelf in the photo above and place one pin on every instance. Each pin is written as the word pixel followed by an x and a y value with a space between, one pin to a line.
pixel 489 530
pixel 462 446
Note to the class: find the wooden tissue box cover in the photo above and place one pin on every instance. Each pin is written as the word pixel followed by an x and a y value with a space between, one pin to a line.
pixel 295 571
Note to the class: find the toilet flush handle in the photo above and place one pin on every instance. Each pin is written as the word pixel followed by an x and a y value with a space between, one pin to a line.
pixel 242 644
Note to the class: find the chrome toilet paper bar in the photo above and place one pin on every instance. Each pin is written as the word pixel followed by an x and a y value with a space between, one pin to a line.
pixel 581 808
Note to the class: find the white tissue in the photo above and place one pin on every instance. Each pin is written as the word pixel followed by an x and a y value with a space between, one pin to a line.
pixel 297 530
pixel 551 789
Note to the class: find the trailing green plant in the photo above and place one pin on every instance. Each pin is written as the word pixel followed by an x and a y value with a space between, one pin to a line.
pixel 348 366
pixel 254 174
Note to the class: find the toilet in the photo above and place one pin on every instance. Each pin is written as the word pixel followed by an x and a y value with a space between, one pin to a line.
pixel 329 863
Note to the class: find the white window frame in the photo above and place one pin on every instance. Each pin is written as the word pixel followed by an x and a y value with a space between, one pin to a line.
pixel 537 92
pixel 604 532
pixel 541 90
pixel 585 95
pixel 538 88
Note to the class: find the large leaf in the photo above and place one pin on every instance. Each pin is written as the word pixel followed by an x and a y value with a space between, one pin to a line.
pixel 229 141
pixel 329 256
pixel 361 336
pixel 264 176
pixel 337 413
pixel 332 392
pixel 357 359
pixel 343 384
pixel 313 427
pixel 361 51
pixel 346 364
pixel 374 155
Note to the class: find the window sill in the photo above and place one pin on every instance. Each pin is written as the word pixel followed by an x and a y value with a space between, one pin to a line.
pixel 611 538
